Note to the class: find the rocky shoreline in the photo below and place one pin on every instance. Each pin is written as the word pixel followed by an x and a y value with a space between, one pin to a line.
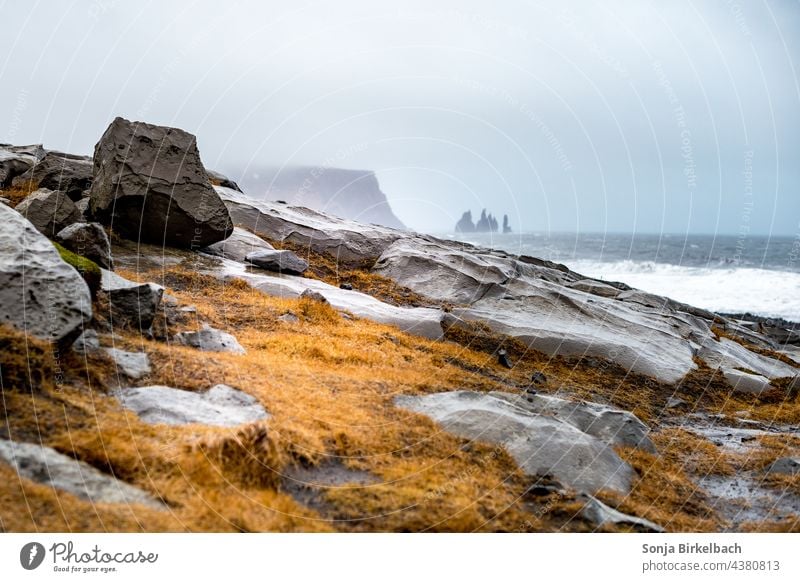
pixel 160 294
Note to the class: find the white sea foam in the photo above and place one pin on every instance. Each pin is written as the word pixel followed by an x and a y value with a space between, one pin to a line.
pixel 728 290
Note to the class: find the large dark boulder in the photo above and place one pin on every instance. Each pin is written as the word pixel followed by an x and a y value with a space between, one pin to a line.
pixel 58 171
pixel 150 185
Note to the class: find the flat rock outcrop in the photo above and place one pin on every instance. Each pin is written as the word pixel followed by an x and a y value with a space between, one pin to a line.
pixel 541 445
pixel 39 292
pixel 220 405
pixel 350 242
pixel 150 185
pixel 49 467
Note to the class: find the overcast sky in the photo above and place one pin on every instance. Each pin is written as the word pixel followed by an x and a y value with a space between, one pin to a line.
pixel 596 116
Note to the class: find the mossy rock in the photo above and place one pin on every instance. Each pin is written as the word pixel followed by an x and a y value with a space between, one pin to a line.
pixel 88 269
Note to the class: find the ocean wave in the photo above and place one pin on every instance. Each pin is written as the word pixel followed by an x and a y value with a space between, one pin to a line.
pixel 728 290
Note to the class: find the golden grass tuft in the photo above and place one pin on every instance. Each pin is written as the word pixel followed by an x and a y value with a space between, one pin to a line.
pixel 18 193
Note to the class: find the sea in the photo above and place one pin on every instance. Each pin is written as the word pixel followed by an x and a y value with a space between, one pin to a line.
pixel 758 275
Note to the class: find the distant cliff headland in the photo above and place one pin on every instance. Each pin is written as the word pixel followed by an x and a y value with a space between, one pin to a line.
pixel 486 223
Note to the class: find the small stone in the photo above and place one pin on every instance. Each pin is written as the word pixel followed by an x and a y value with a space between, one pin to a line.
pixel 313 296
pixel 502 358
pixel 674 402
pixel 346 286
pixel 87 342
pixel 209 339
pixel 278 261
pixel 289 318
pixel 134 365
pixel 539 378
pixel 785 466
pixel 88 240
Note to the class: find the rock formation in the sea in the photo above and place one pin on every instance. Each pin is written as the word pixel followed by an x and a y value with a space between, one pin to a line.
pixel 352 194
pixel 486 223
pixel 150 185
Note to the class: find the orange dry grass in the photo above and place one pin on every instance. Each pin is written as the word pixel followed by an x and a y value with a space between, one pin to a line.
pixel 17 194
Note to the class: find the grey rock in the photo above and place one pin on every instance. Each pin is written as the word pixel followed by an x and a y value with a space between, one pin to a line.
pixel 279 261
pixel 598 513
pixel 746 382
pixel 57 171
pixel 83 208
pixel 221 405
pixel 674 402
pixel 4 200
pixel 89 240
pixel 134 365
pixel 132 304
pixel 209 339
pixel 785 466
pixel 238 245
pixel 610 425
pixel 39 293
pixel 49 211
pixel 16 160
pixel 87 342
pixel 150 185
pixel 350 242
pixel 313 296
pixel 289 318
pixel 541 445
pixel 220 179
pixel 727 355
pixel 50 468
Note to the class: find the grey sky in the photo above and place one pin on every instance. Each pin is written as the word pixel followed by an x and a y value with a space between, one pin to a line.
pixel 604 116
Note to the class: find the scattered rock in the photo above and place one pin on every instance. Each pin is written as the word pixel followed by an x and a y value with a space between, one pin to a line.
pixel 150 185
pixel 132 304
pixel 744 370
pixel 307 485
pixel 746 382
pixel 539 378
pixel 598 513
pixel 88 240
pixel 502 359
pixel 785 466
pixel 674 402
pixel 87 342
pixel 209 339
pixel 279 261
pixel 237 246
pixel 221 405
pixel 610 425
pixel 346 286
pixel 220 179
pixel 39 292
pixel 58 171
pixel 16 160
pixel 313 296
pixel 49 211
pixel 50 468
pixel 289 318
pixel 134 365
pixel 82 206
pixel 541 445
